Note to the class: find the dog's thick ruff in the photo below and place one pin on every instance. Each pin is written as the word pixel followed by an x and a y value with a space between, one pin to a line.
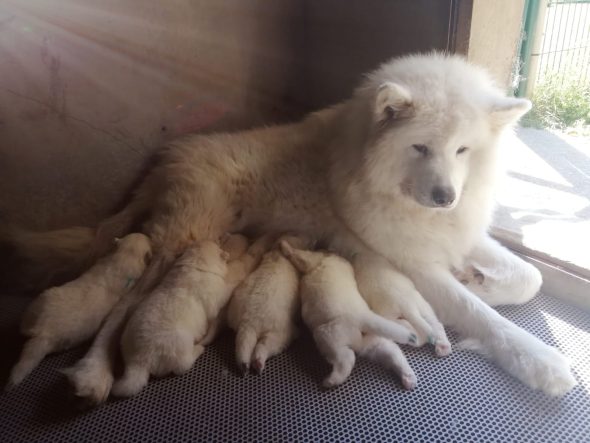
pixel 405 169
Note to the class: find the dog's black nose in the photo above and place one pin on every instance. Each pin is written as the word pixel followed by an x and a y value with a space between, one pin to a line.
pixel 443 196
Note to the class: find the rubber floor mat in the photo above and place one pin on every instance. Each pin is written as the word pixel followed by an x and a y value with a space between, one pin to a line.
pixel 458 398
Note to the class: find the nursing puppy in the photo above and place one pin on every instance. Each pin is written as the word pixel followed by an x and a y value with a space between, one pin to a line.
pixel 392 297
pixel 341 321
pixel 264 308
pixel 65 316
pixel 169 329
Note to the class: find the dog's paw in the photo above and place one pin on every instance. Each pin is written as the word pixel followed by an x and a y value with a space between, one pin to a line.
pixel 408 380
pixel 534 363
pixel 258 365
pixel 331 382
pixel 91 381
pixel 442 347
pixel 547 370
pixel 243 368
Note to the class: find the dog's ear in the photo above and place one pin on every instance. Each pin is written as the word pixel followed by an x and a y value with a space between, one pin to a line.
pixel 507 110
pixel 393 101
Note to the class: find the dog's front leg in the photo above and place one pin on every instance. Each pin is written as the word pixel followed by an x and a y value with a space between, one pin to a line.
pixel 527 358
pixel 497 275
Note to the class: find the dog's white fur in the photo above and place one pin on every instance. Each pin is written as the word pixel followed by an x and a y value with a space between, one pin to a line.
pixel 397 299
pixel 64 316
pixel 168 331
pixel 361 177
pixel 341 321
pixel 264 308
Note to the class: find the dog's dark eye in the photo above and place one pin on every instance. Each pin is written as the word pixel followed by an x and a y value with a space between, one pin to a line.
pixel 422 149
pixel 462 149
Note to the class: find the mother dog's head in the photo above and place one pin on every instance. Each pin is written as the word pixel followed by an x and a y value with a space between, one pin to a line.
pixel 433 126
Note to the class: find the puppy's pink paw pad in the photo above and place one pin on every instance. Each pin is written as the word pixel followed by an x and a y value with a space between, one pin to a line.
pixel 442 348
pixel 409 381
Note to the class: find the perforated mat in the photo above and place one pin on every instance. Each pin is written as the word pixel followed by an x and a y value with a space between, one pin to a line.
pixel 459 398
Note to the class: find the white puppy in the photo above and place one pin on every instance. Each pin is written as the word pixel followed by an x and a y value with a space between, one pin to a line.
pixel 169 329
pixel 264 308
pixel 341 320
pixel 394 297
pixel 65 316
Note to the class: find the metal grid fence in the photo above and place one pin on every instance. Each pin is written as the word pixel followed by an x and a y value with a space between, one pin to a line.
pixel 565 45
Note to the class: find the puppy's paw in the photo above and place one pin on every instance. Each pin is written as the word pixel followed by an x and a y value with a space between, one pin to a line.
pixel 91 381
pixel 331 382
pixel 442 347
pixel 408 380
pixel 243 368
pixel 258 365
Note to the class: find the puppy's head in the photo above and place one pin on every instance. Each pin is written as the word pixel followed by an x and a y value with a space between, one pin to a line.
pixel 136 247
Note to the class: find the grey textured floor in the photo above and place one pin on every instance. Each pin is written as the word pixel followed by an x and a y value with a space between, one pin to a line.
pixel 460 398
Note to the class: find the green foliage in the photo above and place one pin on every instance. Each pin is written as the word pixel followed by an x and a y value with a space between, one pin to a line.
pixel 560 102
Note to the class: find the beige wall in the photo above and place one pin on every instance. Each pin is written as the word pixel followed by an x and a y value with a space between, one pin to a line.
pixel 494 36
pixel 89 88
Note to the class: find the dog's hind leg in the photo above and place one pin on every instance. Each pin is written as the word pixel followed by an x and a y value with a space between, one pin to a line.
pixel 498 276
pixel 268 346
pixel 388 354
pixel 134 380
pixel 92 377
pixel 246 339
pixel 34 351
pixel 334 349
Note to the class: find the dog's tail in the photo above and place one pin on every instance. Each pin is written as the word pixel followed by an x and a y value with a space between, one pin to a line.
pixel 34 351
pixel 375 324
pixel 35 260
pixel 133 380
pixel 246 339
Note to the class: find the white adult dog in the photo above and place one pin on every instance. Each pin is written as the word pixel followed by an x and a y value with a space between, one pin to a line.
pixel 405 170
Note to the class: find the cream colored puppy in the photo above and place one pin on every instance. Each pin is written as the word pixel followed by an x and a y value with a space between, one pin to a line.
pixel 341 321
pixel 169 329
pixel 264 308
pixel 390 295
pixel 65 316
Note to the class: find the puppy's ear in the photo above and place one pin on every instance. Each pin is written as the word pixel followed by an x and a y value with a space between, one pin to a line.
pixel 507 110
pixel 393 101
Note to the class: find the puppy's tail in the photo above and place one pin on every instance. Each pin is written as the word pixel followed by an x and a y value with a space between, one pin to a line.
pixel 133 380
pixel 35 260
pixel 246 339
pixel 34 351
pixel 375 324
